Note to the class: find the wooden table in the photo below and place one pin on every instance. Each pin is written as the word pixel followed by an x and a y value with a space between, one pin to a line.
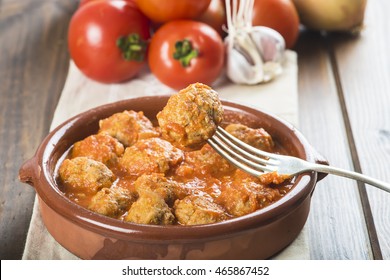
pixel 344 99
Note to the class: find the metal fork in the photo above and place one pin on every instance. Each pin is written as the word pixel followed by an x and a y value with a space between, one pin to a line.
pixel 257 162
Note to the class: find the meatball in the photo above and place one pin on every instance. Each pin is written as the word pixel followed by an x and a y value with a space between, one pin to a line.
pixel 245 194
pixel 111 202
pixel 258 138
pixel 150 208
pixel 100 147
pixel 205 161
pixel 153 155
pixel 128 127
pixel 197 210
pixel 191 116
pixel 273 178
pixel 168 189
pixel 86 175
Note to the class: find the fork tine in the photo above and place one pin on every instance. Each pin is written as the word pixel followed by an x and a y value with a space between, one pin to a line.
pixel 232 160
pixel 244 145
pixel 232 145
pixel 253 161
pixel 235 152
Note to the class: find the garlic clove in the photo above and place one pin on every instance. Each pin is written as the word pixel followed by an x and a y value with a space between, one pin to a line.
pixel 270 43
pixel 255 56
pixel 244 62
pixel 240 71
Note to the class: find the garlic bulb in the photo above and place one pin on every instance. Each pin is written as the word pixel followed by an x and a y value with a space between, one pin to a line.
pixel 254 53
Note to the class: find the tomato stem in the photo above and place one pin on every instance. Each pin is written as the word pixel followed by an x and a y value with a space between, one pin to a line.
pixel 185 52
pixel 132 47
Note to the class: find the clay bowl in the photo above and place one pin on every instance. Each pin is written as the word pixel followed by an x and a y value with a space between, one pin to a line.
pixel 92 236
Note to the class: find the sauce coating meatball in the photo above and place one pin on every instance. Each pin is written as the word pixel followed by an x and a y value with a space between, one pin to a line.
pixel 99 147
pixel 197 210
pixel 128 127
pixel 152 155
pixel 191 116
pixel 245 194
pixel 111 202
pixel 82 174
pixel 168 189
pixel 204 161
pixel 150 208
pixel 258 138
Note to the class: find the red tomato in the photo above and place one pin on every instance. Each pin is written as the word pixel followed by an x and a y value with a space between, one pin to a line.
pixel 106 40
pixel 215 16
pixel 184 52
pixel 83 2
pixel 280 15
pixel 164 11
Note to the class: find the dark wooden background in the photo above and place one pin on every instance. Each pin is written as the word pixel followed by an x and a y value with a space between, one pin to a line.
pixel 344 99
pixel 33 66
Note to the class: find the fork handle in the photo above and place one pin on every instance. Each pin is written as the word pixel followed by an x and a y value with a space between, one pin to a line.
pixel 352 175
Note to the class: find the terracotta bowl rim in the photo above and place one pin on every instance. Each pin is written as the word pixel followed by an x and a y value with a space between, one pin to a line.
pixel 48 191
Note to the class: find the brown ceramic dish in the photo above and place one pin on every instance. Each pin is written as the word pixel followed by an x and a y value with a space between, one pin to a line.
pixel 92 236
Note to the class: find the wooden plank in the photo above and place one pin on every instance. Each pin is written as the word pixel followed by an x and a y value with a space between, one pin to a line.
pixel 33 66
pixel 377 254
pixel 364 66
pixel 336 223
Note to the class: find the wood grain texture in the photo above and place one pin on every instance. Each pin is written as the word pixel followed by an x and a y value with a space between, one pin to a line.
pixel 33 66
pixel 336 223
pixel 364 66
